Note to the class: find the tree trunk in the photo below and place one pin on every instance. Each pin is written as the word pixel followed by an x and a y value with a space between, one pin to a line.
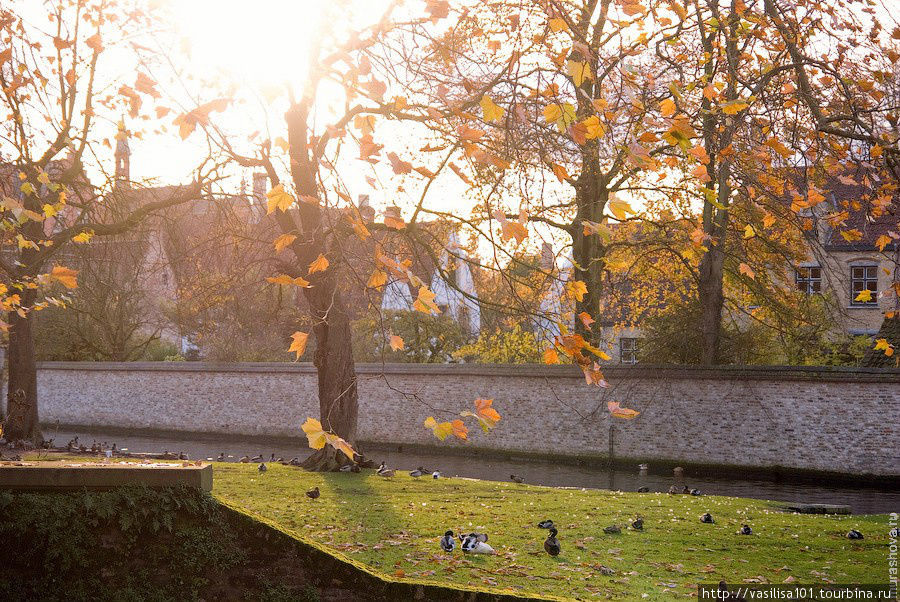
pixel 588 251
pixel 22 401
pixel 712 301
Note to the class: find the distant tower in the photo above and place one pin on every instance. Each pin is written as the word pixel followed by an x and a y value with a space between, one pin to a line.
pixel 123 155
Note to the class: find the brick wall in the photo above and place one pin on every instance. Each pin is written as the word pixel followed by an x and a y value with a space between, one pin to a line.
pixel 843 420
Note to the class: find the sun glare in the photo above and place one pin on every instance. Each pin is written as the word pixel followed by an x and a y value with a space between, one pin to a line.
pixel 265 42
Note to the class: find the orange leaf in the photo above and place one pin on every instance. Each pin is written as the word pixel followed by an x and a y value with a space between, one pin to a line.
pixel 397 343
pixel 283 241
pixel 586 319
pixel 319 265
pixel 617 411
pixel 65 276
pixel 298 343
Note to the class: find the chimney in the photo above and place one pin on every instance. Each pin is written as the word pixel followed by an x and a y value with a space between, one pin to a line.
pixel 365 209
pixel 259 194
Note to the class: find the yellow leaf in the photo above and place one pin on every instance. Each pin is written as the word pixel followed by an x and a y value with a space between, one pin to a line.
pixel 319 265
pixel 314 433
pixel 287 280
pixel 768 220
pixel 492 112
pixel 734 107
pixel 746 270
pixel 593 128
pixel 397 343
pixel 563 115
pixel 43 178
pixel 283 241
pixel 557 25
pixel 83 237
pixel 298 344
pixel 27 188
pixel 749 232
pixel 864 296
pixel 65 276
pixel 576 289
pixel 339 444
pixel 578 71
pixel 425 302
pixel 279 198
pixel 882 241
pixel 619 208
pixel 667 107
pixel 440 429
pixel 377 279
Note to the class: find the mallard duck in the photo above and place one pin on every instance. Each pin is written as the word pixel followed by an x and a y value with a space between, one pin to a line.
pixel 638 524
pixel 220 457
pixel 477 536
pixel 417 472
pixel 448 542
pixel 272 457
pixel 471 545
pixel 612 529
pixel 673 490
pixel 384 472
pixel 436 475
pixel 244 460
pixel 516 479
pixel 257 458
pixel 746 530
pixel 545 524
pixel 695 492
pixel 345 468
pixel 313 493
pixel 295 461
pixel 644 489
pixel 706 518
pixel 686 490
pixel 854 534
pixel 551 544
pixel 262 467
pixel 183 456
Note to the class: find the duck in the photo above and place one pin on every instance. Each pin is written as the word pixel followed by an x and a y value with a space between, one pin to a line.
pixel 643 489
pixel 516 479
pixel 686 490
pixel 643 467
pixel 272 457
pixel 448 542
pixel 354 468
pixel 257 458
pixel 417 472
pixel 313 493
pixel 471 545
pixel 295 461
pixel 695 492
pixel 436 475
pixel 746 530
pixel 482 537
pixel 220 457
pixel 244 460
pixel 346 468
pixel 673 490
pixel 612 529
pixel 854 534
pixel 551 544
pixel 706 517
pixel 545 524
pixel 638 524
pixel 384 472
pixel 183 456
pixel 262 467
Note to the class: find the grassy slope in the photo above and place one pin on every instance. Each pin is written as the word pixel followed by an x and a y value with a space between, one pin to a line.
pixel 393 525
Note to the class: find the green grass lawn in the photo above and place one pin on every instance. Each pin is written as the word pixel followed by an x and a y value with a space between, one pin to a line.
pixel 392 526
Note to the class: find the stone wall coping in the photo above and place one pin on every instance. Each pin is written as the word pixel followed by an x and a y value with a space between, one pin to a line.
pixel 664 372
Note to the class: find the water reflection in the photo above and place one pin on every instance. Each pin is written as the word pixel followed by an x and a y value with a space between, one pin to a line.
pixel 860 500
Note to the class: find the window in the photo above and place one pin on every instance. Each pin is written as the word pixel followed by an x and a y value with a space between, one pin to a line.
pixel 809 279
pixel 863 278
pixel 628 350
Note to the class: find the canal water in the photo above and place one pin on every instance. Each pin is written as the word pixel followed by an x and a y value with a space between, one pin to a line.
pixel 861 500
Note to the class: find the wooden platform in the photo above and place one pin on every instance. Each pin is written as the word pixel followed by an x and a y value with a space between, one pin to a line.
pixel 69 475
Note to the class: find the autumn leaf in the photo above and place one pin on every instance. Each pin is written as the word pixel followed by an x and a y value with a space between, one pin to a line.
pixel 314 433
pixel 734 107
pixel 882 241
pixel 83 237
pixel 884 345
pixel 578 71
pixel 586 319
pixel 65 276
pixel 576 289
pixel 460 431
pixel 279 198
pixel 619 208
pixel 667 107
pixel 510 229
pixel 397 343
pixel 320 264
pixel 559 171
pixel 440 429
pixel 287 280
pixel 864 296
pixel 563 115
pixel 95 42
pixel 425 302
pixel 492 112
pixel 399 165
pixel 617 411
pixel 749 232
pixel 593 128
pixel 377 279
pixel 557 25
pixel 551 356
pixel 747 271
pixel 486 415
pixel 187 122
pixel 283 241
pixel 298 344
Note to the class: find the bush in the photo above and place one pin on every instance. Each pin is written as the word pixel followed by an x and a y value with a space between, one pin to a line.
pixel 511 346
pixel 427 339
